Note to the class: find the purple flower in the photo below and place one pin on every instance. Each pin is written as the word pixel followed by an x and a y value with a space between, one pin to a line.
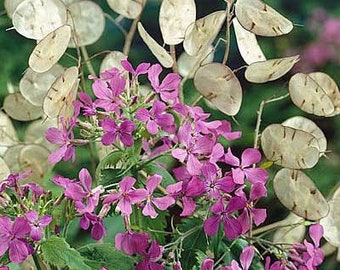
pixel 150 258
pixel 126 196
pixel 307 255
pixel 215 184
pixel 86 104
pixel 249 157
pixel 161 203
pixel 98 229
pixel 168 89
pixel 246 258
pixel 13 238
pixel 108 93
pixel 194 146
pixel 37 224
pixel 123 132
pixel 141 68
pixel 250 213
pixel 63 138
pixel 232 227
pixel 156 117
pixel 207 264
pixel 132 242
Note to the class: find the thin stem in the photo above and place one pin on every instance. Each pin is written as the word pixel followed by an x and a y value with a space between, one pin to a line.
pixel 131 33
pixel 173 55
pixel 273 226
pixel 259 117
pixel 227 33
pixel 87 61
pixel 36 261
pixel 116 23
pixel 197 100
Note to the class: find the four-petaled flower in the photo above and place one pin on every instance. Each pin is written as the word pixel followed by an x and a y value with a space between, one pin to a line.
pixel 13 238
pixel 246 258
pixel 126 196
pixel 37 224
pixel 112 132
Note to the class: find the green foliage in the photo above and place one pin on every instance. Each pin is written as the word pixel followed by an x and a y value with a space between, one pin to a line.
pixel 105 255
pixel 152 168
pixel 57 252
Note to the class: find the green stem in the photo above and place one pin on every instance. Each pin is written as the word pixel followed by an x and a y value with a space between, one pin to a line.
pixel 36 261
pixel 87 61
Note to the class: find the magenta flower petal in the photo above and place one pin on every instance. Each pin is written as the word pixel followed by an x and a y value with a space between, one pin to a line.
pixel 57 155
pixel 259 215
pixel 138 195
pixel 211 225
pixel 153 182
pixel 250 156
pixel 232 228
pixel 149 210
pixel 255 175
pixel 246 257
pixel 142 114
pixel 238 176
pixel 125 206
pixel 54 135
pixel 20 227
pixel 18 251
pixel 316 233
pixel 152 127
pixel 189 206
pixel 127 183
pixel 163 203
pixel 207 264
pixel 231 159
pixel 86 179
pixel 257 191
pixel 179 154
pixel 75 192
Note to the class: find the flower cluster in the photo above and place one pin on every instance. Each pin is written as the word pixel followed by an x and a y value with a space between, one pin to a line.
pixel 205 178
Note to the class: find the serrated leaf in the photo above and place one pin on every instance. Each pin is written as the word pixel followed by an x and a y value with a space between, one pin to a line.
pixel 108 161
pixel 105 255
pixel 143 223
pixel 174 18
pixel 153 168
pixel 261 19
pixel 157 50
pixel 217 83
pixel 194 242
pixel 270 70
pixel 298 193
pixel 57 252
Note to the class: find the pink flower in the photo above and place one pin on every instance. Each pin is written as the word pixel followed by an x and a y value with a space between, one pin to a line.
pixel 108 93
pixel 207 264
pixel 86 104
pixel 141 68
pixel 13 238
pixel 150 258
pixel 246 258
pixel 232 227
pixel 112 132
pixel 156 117
pixel 250 213
pixel 168 89
pixel 63 138
pixel 132 242
pixel 98 229
pixel 126 196
pixel 37 224
pixel 309 255
pixel 249 157
pixel 162 203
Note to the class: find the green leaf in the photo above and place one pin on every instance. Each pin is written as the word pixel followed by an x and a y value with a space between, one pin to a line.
pixel 134 151
pixel 152 168
pixel 195 242
pixel 147 224
pixel 111 176
pixel 57 252
pixel 109 161
pixel 105 255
